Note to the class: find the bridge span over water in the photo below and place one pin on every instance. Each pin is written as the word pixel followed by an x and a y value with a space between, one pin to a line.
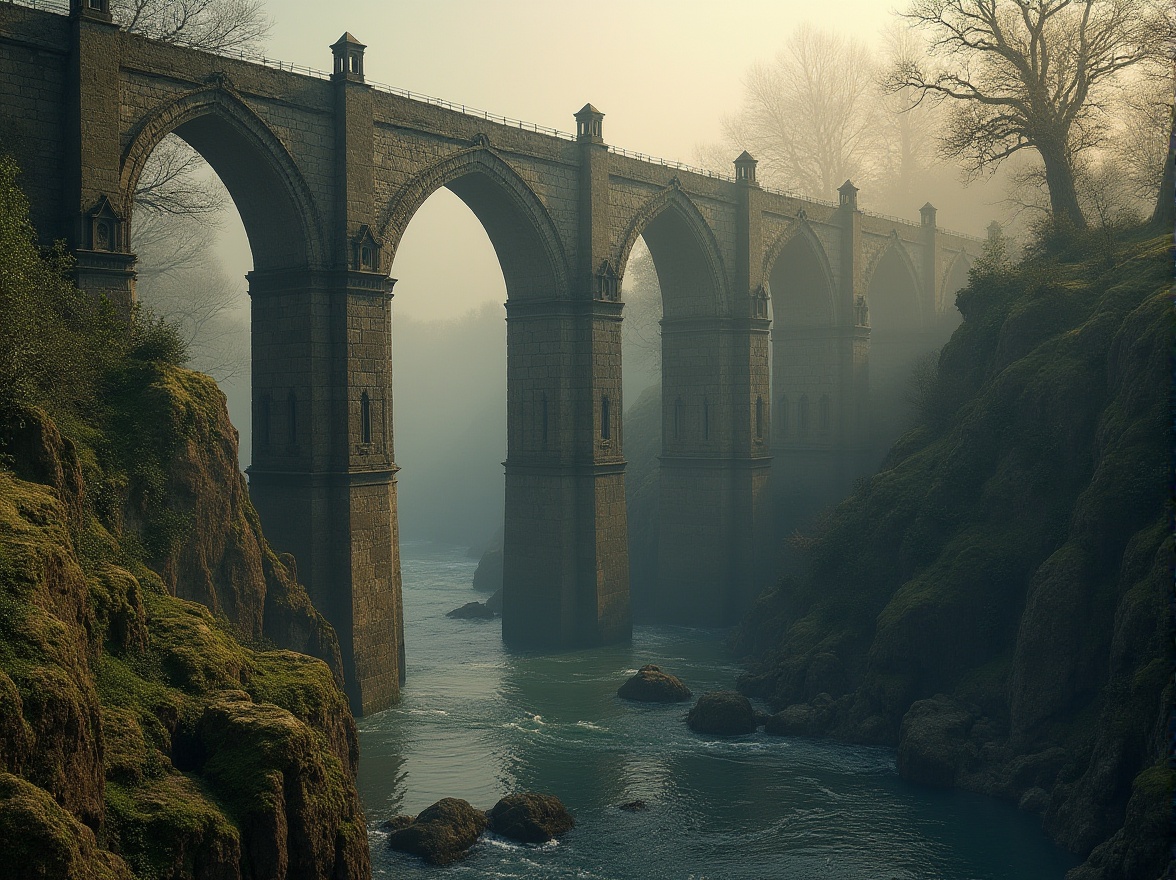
pixel 328 169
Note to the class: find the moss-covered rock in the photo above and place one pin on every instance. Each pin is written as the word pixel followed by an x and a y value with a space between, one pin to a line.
pixel 723 713
pixel 993 600
pixel 442 833
pixel 530 817
pixel 42 841
pixel 652 684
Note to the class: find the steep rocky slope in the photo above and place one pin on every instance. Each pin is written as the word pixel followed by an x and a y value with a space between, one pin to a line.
pixel 995 601
pixel 144 734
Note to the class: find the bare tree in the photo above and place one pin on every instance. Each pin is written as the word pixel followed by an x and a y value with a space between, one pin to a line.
pixel 809 116
pixel 1028 74
pixel 211 25
pixel 906 148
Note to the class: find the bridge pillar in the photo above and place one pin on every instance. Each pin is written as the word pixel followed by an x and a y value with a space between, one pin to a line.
pixel 565 544
pixel 323 473
pixel 94 224
pixel 714 515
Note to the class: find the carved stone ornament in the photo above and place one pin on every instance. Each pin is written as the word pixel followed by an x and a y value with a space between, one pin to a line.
pixel 608 285
pixel 104 227
pixel 365 250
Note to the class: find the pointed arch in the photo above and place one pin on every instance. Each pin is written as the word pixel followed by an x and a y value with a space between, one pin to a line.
pixel 954 280
pixel 802 228
pixel 894 245
pixel 675 229
pixel 277 207
pixel 892 268
pixel 810 275
pixel 529 248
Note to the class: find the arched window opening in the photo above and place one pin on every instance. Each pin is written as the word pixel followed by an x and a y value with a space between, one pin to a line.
pixel 605 426
pixel 365 418
pixel 678 418
pixel 705 420
pixel 759 418
pixel 263 421
pixel 292 419
pixel 802 416
pixel 543 408
pixel 823 415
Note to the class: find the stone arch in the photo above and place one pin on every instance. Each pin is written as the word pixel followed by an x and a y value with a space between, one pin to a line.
pixel 954 280
pixel 818 304
pixel 893 290
pixel 686 254
pixel 529 248
pixel 276 206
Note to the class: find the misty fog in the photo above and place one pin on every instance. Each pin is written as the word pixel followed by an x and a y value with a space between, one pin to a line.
pixel 449 332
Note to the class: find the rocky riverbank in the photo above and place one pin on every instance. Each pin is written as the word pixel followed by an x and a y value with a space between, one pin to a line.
pixel 994 602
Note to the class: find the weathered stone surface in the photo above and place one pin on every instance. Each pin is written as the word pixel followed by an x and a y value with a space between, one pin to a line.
pixel 488 575
pixel 652 685
pixel 442 833
pixel 326 175
pixel 494 603
pixel 529 817
pixel 725 713
pixel 471 611
pixel 933 742
pixel 396 823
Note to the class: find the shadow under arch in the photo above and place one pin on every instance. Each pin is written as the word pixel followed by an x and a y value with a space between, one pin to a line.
pixel 276 206
pixel 893 292
pixel 686 255
pixel 529 248
pixel 800 279
pixel 954 280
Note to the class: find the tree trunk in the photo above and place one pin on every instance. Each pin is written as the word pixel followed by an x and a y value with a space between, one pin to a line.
pixel 1063 193
pixel 1165 213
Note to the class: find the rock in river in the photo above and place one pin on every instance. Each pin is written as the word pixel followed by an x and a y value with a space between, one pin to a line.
pixel 442 833
pixel 471 611
pixel 530 817
pixel 651 685
pixel 725 713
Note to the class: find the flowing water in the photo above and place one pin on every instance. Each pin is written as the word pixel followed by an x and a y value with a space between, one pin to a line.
pixel 477 722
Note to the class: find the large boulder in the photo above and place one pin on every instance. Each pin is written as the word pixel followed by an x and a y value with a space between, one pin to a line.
pixel 442 833
pixel 933 744
pixel 651 685
pixel 494 603
pixel 488 576
pixel 530 817
pixel 812 719
pixel 725 713
pixel 471 611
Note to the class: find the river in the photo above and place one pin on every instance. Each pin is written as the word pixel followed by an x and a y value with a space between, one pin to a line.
pixel 477 722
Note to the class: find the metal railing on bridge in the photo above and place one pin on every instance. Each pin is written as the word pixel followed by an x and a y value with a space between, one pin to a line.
pixel 254 57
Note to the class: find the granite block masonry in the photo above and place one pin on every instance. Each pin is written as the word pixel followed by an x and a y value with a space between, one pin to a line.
pixel 327 171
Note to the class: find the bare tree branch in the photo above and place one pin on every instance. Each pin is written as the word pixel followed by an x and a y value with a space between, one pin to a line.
pixel 1030 74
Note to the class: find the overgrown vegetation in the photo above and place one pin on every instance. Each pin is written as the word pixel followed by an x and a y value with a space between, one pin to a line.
pixel 1010 563
pixel 138 735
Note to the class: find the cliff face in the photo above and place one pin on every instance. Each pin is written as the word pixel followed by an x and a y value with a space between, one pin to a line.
pixel 995 601
pixel 144 734
pixel 137 734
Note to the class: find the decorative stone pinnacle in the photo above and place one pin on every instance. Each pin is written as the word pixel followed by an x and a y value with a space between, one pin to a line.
pixel 348 53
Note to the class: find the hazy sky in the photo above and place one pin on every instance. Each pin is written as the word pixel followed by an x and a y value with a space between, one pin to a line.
pixel 664 73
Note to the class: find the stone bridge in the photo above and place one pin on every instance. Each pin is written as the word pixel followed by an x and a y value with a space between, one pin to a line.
pixel 327 171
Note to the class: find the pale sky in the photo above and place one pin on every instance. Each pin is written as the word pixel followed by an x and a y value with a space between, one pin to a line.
pixel 664 73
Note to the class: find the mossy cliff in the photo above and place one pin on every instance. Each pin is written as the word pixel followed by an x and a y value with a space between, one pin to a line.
pixel 995 601
pixel 161 713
